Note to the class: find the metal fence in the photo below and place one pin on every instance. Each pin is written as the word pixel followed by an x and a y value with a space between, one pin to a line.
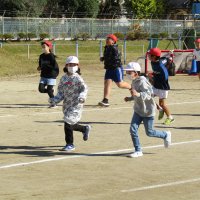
pixel 96 28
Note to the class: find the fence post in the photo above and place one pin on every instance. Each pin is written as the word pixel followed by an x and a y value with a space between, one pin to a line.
pixel 54 48
pixel 28 53
pixel 100 49
pixel 124 51
pixel 77 48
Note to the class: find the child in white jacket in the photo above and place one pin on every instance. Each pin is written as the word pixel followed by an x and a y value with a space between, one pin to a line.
pixel 72 91
pixel 144 109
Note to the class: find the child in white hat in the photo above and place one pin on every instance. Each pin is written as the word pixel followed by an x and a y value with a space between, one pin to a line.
pixel 72 91
pixel 144 109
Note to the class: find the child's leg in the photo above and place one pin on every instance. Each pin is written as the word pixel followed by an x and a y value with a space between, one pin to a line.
pixel 162 104
pixel 68 134
pixel 166 135
pixel 135 122
pixel 50 91
pixel 42 88
pixel 84 129
pixel 148 124
pixel 107 88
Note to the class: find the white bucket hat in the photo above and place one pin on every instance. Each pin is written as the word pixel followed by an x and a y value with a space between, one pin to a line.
pixel 133 66
pixel 72 59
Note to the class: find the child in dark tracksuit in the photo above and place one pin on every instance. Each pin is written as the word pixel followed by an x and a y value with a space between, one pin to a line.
pixel 113 66
pixel 49 70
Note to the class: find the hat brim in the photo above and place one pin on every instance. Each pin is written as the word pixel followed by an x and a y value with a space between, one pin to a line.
pixel 129 70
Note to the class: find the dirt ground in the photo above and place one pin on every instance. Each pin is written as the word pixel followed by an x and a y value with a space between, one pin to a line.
pixel 32 167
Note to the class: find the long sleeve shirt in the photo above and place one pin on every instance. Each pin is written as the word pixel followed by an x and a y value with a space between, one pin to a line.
pixel 70 90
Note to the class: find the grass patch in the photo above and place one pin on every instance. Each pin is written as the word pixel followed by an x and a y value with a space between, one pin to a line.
pixel 14 55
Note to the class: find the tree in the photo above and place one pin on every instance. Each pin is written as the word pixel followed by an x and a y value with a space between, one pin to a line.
pixel 110 8
pixel 80 8
pixel 144 8
pixel 15 8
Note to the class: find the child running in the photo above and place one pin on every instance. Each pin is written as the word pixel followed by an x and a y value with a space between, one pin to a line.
pixel 196 54
pixel 144 109
pixel 49 70
pixel 113 66
pixel 160 84
pixel 72 91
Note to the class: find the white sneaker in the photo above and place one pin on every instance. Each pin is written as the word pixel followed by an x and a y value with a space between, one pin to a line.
pixel 135 154
pixel 168 139
pixel 68 148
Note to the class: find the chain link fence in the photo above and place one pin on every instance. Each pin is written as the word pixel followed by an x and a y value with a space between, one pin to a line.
pixel 63 28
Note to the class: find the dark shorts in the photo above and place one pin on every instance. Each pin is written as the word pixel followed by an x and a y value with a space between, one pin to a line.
pixel 198 66
pixel 115 74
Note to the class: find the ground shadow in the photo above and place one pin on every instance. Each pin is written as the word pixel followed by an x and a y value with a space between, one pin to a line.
pixel 24 105
pixel 61 121
pixel 50 151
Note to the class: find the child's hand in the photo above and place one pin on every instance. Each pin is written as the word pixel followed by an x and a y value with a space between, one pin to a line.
pixel 38 68
pixel 135 93
pixel 127 99
pixel 81 100
pixel 101 59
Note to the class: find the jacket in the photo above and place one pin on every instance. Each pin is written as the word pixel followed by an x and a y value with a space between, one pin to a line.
pixel 144 104
pixel 48 65
pixel 70 90
pixel 112 57
pixel 160 75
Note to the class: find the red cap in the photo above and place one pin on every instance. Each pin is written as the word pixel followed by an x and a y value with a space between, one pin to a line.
pixel 113 37
pixel 48 43
pixel 197 40
pixel 155 52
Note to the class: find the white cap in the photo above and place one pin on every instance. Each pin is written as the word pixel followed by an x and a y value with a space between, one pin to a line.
pixel 133 66
pixel 72 59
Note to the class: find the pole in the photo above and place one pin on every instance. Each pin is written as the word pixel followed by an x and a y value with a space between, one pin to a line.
pixel 124 51
pixel 76 48
pixel 28 53
pixel 100 49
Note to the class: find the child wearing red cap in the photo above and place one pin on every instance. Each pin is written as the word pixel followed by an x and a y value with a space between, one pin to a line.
pixel 196 53
pixel 113 66
pixel 49 70
pixel 160 83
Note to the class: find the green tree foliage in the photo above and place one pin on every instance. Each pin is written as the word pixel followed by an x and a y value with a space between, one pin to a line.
pixel 15 8
pixel 145 8
pixel 81 8
pixel 110 8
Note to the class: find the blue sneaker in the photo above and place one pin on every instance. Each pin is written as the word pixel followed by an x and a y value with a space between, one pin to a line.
pixel 86 133
pixel 68 148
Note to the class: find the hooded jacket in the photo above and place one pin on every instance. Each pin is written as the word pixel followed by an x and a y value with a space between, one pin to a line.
pixel 144 104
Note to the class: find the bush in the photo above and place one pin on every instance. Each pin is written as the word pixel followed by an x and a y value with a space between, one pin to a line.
pixel 21 36
pixel 174 35
pixel 163 35
pixel 130 35
pixel 1 37
pixel 43 36
pixel 119 35
pixel 154 35
pixel 8 36
pixel 83 36
pixel 31 35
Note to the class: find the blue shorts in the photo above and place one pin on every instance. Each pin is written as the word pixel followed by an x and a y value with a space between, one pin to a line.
pixel 48 81
pixel 115 74
pixel 198 66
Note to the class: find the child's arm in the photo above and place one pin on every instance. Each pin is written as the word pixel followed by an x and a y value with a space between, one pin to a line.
pixel 60 94
pixel 83 91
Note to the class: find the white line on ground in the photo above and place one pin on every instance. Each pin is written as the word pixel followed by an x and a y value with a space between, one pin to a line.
pixel 162 185
pixel 91 110
pixel 87 155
